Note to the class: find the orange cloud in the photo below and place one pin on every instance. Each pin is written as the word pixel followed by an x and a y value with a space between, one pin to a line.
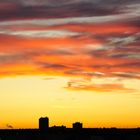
pixel 69 49
pixel 88 86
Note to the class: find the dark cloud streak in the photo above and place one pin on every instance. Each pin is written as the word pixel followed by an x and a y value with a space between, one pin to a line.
pixel 62 8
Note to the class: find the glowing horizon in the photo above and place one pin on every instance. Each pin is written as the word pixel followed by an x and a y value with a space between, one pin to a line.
pixel 70 64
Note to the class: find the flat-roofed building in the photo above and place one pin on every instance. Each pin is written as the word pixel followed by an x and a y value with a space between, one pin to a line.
pixel 43 123
pixel 77 125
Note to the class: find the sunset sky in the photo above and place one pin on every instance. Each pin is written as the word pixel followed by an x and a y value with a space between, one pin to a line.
pixel 76 60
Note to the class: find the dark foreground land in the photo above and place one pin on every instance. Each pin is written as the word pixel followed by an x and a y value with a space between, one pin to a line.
pixel 70 134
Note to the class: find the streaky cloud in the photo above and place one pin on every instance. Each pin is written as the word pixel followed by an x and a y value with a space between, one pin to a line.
pixel 41 34
pixel 89 86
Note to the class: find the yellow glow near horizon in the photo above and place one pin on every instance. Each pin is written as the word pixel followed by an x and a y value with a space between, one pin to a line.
pixel 69 64
pixel 25 99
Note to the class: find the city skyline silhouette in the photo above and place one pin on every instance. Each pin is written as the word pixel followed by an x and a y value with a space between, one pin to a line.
pixel 77 132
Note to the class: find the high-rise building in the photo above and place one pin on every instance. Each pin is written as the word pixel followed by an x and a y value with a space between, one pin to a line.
pixel 77 125
pixel 43 123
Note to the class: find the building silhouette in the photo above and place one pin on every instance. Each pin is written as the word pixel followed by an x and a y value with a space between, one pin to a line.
pixel 76 133
pixel 43 123
pixel 77 125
